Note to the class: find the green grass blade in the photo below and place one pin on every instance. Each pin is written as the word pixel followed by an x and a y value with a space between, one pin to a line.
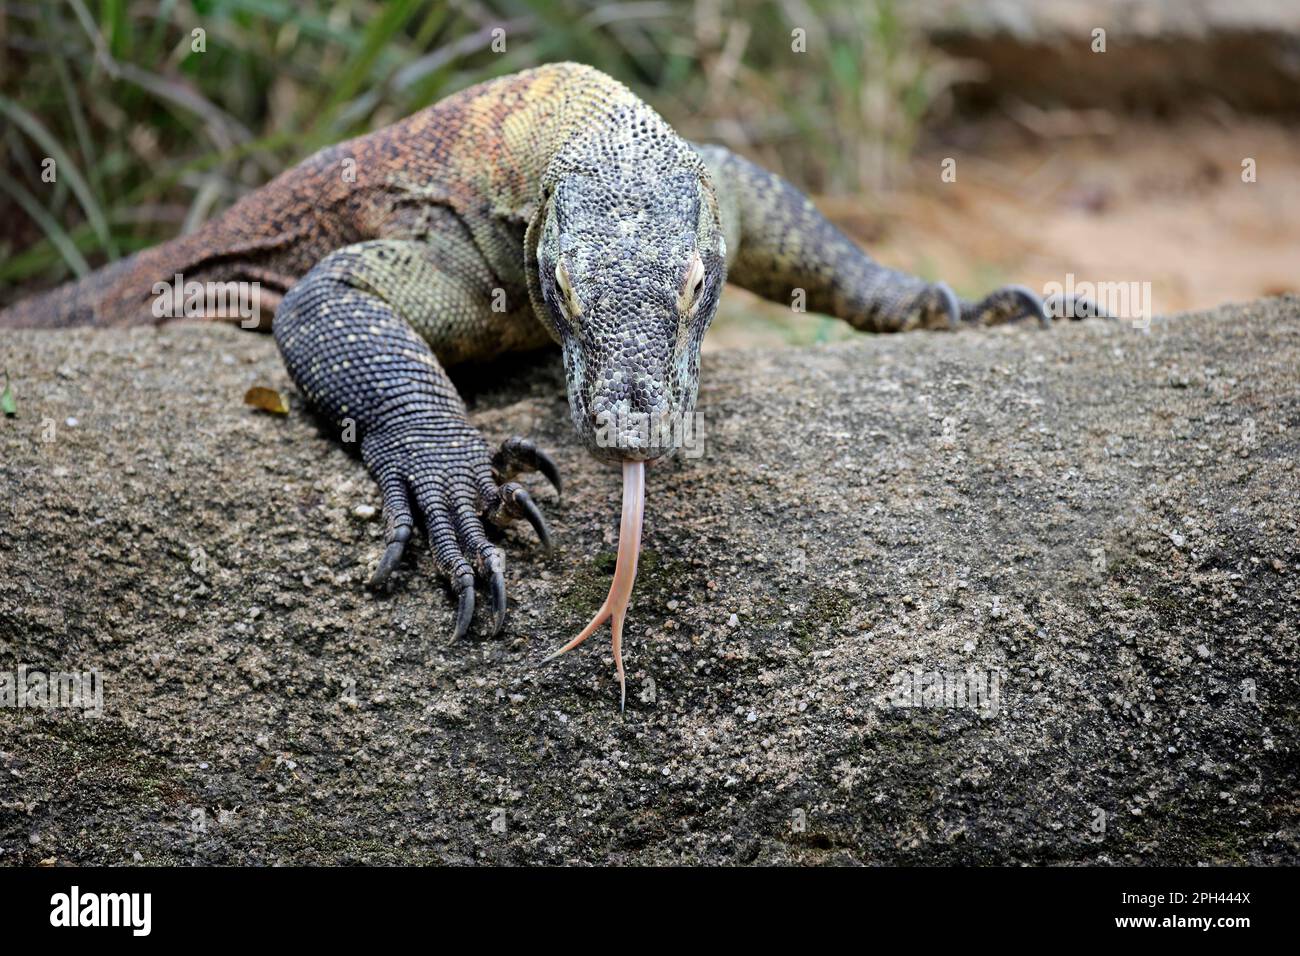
pixel 65 166
pixel 53 231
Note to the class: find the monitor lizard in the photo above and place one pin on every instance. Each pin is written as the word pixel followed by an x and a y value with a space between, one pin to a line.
pixel 551 205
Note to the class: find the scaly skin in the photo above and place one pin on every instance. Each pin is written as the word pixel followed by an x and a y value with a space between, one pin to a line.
pixel 549 204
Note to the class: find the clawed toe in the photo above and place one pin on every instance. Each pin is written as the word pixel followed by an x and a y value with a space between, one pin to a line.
pixel 524 502
pixel 550 470
pixel 1012 303
pixel 465 606
pixel 1030 304
pixel 392 557
pixel 950 303
pixel 512 500
pixel 518 455
pixel 456 505
pixel 498 602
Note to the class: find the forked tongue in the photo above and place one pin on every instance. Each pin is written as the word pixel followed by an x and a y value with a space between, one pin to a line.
pixel 614 609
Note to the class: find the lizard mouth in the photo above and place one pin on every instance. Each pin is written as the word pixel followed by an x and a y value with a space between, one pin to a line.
pixel 614 609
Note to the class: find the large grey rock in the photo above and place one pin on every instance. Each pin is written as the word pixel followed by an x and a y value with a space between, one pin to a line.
pixel 1165 56
pixel 1103 521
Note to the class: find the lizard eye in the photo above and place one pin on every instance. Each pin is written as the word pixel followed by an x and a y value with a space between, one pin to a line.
pixel 688 298
pixel 570 300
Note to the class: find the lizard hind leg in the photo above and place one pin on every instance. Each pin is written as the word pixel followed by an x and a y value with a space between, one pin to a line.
pixel 780 247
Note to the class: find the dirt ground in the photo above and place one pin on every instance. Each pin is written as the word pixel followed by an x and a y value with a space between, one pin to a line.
pixel 1039 194
pixel 1098 523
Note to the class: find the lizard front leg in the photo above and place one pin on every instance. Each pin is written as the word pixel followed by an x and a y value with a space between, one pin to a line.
pixel 347 332
pixel 778 243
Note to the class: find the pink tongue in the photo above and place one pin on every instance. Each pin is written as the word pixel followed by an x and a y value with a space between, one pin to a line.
pixel 620 590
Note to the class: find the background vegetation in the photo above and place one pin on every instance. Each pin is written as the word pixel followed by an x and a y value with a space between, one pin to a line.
pixel 153 135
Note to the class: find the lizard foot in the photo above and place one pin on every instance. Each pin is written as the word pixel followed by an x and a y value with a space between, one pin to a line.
pixel 448 478
pixel 1015 303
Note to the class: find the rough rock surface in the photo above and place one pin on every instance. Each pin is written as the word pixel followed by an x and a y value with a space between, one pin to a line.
pixel 1101 520
pixel 1159 55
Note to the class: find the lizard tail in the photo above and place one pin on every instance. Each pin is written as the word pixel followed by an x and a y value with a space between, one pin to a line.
pixel 147 288
pixel 71 304
pixel 159 283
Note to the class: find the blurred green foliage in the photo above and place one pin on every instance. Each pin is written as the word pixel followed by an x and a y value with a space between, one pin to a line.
pixel 159 114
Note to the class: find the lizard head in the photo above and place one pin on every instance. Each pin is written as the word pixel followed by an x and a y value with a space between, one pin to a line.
pixel 628 265
pixel 625 261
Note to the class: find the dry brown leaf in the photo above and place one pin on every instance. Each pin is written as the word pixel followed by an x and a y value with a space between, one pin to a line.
pixel 267 399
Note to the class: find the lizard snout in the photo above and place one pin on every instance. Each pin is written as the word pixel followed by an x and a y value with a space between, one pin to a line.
pixel 632 430
pixel 625 407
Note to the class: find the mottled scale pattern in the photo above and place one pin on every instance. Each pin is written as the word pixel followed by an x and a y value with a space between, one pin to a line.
pixel 785 245
pixel 546 205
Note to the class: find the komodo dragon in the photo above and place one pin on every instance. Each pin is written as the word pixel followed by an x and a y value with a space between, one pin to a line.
pixel 548 205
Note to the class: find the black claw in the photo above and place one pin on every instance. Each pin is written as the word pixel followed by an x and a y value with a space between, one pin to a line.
pixel 464 612
pixel 392 557
pixel 951 305
pixel 1032 304
pixel 1056 307
pixel 519 454
pixel 546 465
pixel 498 602
pixel 529 507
